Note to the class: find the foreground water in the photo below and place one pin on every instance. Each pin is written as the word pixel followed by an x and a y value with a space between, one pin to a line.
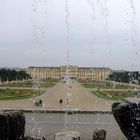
pixel 50 123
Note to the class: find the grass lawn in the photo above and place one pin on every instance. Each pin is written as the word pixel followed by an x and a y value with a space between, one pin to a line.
pixel 29 83
pixel 97 85
pixel 113 95
pixel 107 85
pixel 10 94
pixel 18 84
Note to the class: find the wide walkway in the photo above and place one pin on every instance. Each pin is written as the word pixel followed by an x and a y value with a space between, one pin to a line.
pixel 79 98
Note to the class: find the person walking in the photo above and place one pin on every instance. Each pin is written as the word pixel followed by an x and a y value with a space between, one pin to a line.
pixel 60 102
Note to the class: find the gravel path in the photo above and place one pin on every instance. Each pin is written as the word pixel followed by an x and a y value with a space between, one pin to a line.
pixel 80 98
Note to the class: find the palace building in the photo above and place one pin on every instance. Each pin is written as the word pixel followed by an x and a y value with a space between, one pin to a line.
pixel 74 72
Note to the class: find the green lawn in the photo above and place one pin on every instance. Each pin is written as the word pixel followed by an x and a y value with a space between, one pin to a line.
pixel 13 94
pixel 30 83
pixel 113 95
pixel 106 85
pixel 10 94
pixel 97 85
pixel 18 84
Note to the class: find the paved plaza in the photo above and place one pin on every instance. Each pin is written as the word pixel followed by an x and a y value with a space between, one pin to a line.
pixel 79 98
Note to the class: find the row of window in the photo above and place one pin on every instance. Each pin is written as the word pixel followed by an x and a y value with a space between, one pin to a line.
pixel 83 73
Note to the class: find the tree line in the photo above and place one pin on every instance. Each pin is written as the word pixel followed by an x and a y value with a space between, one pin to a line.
pixel 12 75
pixel 125 77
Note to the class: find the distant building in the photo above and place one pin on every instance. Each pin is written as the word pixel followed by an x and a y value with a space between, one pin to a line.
pixel 74 72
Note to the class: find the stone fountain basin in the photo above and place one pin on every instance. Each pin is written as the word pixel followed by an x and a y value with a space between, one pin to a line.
pixel 127 115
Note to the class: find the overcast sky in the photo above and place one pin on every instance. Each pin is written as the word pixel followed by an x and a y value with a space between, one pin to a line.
pixel 103 33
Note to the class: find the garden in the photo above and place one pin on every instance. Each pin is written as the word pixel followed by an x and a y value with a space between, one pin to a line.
pixel 29 83
pixel 106 85
pixel 13 94
pixel 113 95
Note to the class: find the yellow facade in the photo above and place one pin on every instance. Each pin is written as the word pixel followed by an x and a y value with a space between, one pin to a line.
pixel 74 72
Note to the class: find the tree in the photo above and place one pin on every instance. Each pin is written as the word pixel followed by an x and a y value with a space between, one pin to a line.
pixel 10 75
pixel 125 77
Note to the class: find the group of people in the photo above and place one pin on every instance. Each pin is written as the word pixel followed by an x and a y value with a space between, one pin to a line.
pixel 39 102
